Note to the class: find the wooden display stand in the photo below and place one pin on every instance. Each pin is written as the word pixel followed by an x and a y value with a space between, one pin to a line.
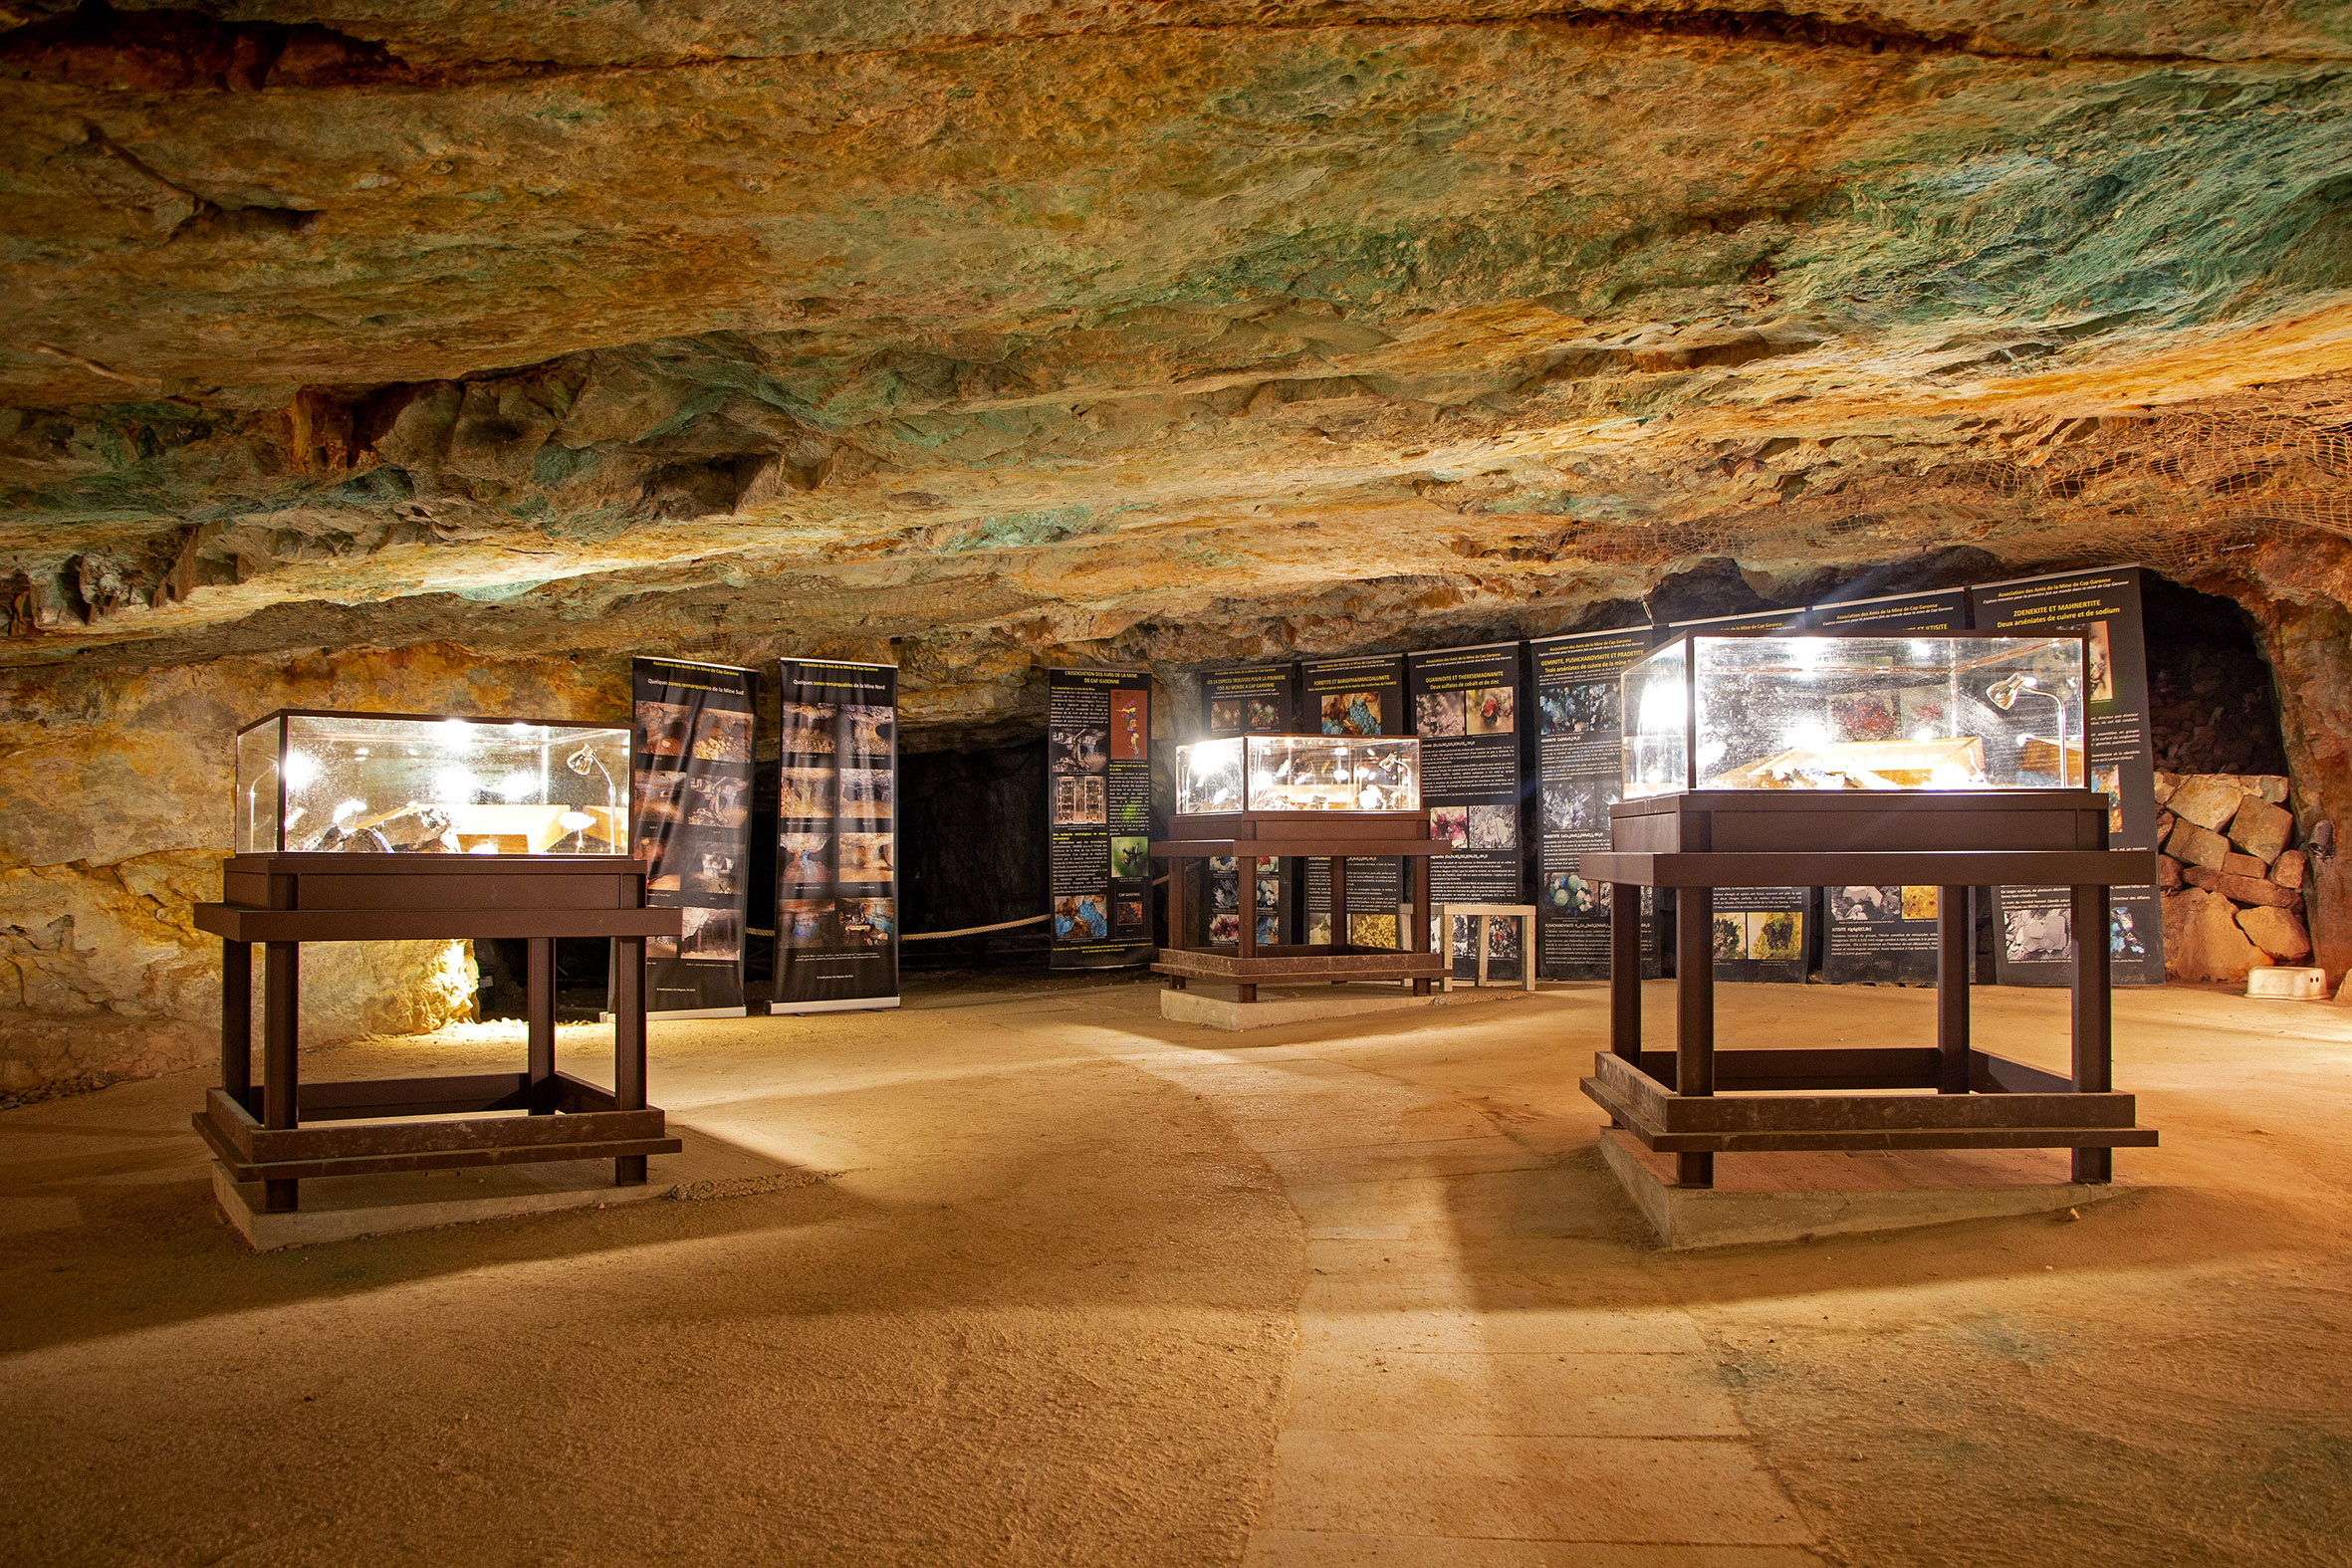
pixel 1250 836
pixel 1522 916
pixel 284 900
pixel 1697 1101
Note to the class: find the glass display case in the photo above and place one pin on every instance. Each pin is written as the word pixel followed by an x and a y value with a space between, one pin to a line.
pixel 404 784
pixel 1299 773
pixel 1798 711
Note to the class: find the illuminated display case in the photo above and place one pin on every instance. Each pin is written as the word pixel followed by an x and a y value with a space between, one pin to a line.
pixel 1919 711
pixel 1297 772
pixel 409 783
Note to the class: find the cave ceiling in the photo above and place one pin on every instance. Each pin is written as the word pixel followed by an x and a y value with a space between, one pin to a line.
pixel 985 333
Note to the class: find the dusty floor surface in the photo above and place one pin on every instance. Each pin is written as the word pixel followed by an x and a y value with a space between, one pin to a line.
pixel 1079 1285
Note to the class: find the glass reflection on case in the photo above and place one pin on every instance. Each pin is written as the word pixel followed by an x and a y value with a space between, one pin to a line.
pixel 1835 713
pixel 1299 773
pixel 387 783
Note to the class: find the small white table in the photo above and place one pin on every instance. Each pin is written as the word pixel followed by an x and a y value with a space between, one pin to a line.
pixel 1487 914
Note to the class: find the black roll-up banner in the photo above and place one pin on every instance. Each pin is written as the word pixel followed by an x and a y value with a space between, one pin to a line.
pixel 1580 774
pixel 690 792
pixel 2033 939
pixel 1098 817
pixel 1465 710
pixel 1355 696
pixel 1760 933
pixel 1253 699
pixel 1887 935
pixel 837 838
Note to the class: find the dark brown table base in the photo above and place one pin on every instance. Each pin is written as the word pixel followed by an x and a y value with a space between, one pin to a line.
pixel 1251 836
pixel 1698 1101
pixel 258 1131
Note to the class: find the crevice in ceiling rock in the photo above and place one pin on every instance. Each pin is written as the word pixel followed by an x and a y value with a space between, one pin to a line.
pixel 181 51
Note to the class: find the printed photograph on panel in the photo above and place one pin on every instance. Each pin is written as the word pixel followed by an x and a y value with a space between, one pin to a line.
pixel 1775 936
pixel 1437 712
pixel 865 857
pixel 2037 936
pixel 1450 824
pixel 1372 931
pixel 1130 857
pixel 1224 715
pixel 805 858
pixel 1866 903
pixel 718 802
pixel 2108 781
pixel 1082 750
pixel 661 799
pixel 723 737
pixel 1081 917
pixel 867 922
pixel 1351 713
pixel 1582 709
pixel 1730 936
pixel 1502 940
pixel 1128 914
pixel 873 729
pixel 2102 664
pixel 806 792
pixel 1579 807
pixel 665 726
pixel 807 925
pixel 1225 885
pixel 1492 710
pixel 711 934
pixel 2123 935
pixel 1130 735
pixel 1494 826
pixel 1266 716
pixel 1920 903
pixel 1566 893
pixel 808 729
pixel 715 871
pixel 652 846
pixel 867 792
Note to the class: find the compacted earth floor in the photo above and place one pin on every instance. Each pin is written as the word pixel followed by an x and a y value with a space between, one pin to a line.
pixel 1055 1281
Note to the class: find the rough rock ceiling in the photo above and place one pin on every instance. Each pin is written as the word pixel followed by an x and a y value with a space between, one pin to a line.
pixel 1172 330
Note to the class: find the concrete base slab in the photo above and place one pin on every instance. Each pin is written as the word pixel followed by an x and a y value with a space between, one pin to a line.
pixel 1795 1197
pixel 340 1207
pixel 1278 1008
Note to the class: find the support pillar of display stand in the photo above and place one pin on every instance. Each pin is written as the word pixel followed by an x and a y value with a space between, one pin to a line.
pixel 272 1134
pixel 1698 1101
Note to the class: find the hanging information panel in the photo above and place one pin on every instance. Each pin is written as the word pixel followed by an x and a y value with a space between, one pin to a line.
pixel 691 794
pixel 1358 696
pixel 1254 698
pixel 1465 705
pixel 1886 935
pixel 837 839
pixel 2033 937
pixel 1098 817
pixel 1580 771
pixel 1761 932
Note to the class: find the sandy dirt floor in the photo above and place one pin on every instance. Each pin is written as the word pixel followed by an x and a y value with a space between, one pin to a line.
pixel 1071 1284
